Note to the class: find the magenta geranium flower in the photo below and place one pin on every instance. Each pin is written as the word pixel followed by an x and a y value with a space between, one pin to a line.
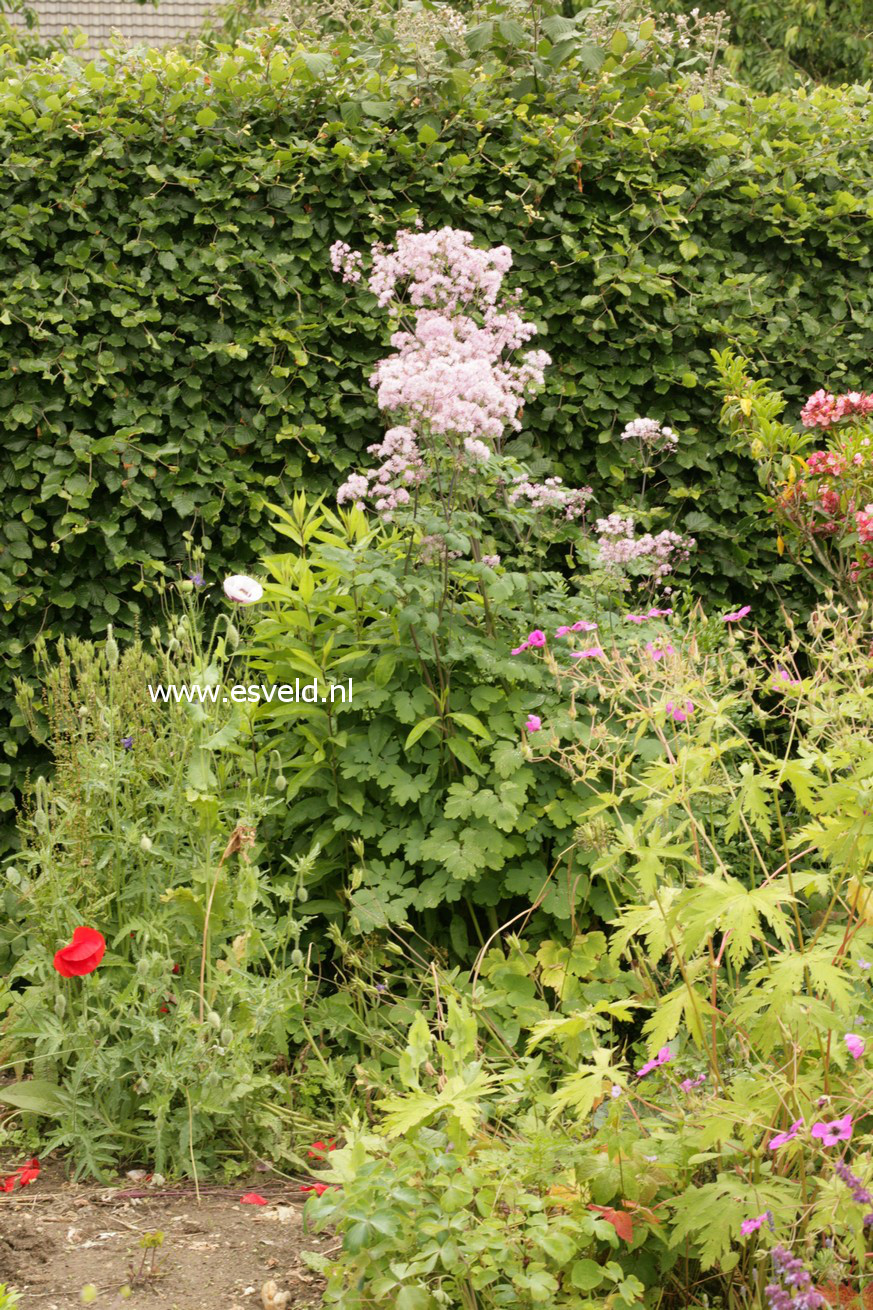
pixel 537 638
pixel 534 723
pixel 658 652
pixel 782 1139
pixel 592 653
pixel 518 649
pixel 838 1130
pixel 855 1045
pixel 584 625
pixel 658 614
pixel 563 630
pixel 635 618
pixel 663 1056
pixel 752 1225
pixel 736 615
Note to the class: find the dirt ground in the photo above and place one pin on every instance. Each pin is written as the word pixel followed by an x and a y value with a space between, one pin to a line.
pixel 58 1238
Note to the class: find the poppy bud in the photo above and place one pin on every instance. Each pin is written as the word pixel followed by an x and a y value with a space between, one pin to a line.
pixel 13 877
pixel 111 649
pixel 297 958
pixel 281 782
pixel 226 1036
pixel 60 1005
pixel 40 822
pixel 302 894
pixel 232 637
pixel 214 1019
pixel 145 843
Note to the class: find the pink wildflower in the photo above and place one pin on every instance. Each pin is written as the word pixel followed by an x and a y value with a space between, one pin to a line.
pixel 534 723
pixel 736 615
pixel 658 614
pixel 537 638
pixel 518 649
pixel 584 625
pixel 658 652
pixel 677 714
pixel 688 1084
pixel 782 1139
pixel 592 653
pixel 563 630
pixel 838 1130
pixel 635 618
pixel 752 1225
pixel 663 1056
pixel 855 1045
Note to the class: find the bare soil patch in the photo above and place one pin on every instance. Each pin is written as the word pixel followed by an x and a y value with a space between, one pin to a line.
pixel 56 1238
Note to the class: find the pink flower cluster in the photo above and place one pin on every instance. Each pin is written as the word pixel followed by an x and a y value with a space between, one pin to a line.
pixel 439 270
pixel 618 547
pixel 822 409
pixel 551 494
pixel 826 463
pixel 450 375
pixel 677 713
pixel 388 485
pixel 864 522
pixel 649 432
pixel 346 261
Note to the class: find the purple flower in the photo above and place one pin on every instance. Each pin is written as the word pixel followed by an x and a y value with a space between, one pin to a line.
pixel 782 1139
pixel 658 614
pixel 793 1274
pixel 635 618
pixel 537 638
pixel 688 1084
pixel 127 743
pixel 534 723
pixel 518 649
pixel 855 1045
pixel 736 615
pixel 860 1194
pixel 658 652
pixel 838 1130
pixel 592 653
pixel 864 964
pixel 752 1225
pixel 197 579
pixel 563 630
pixel 583 625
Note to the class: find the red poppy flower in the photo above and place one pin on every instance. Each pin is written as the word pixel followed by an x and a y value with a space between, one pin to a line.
pixel 253 1198
pixel 82 955
pixel 317 1149
pixel 318 1188
pixel 24 1174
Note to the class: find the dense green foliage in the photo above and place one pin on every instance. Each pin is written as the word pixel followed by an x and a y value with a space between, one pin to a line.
pixel 176 349
pixel 773 44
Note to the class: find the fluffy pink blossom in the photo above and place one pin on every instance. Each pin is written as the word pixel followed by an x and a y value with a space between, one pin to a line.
pixel 346 261
pixel 656 555
pixel 534 723
pixel 537 638
pixel 752 1225
pixel 855 1045
pixel 551 494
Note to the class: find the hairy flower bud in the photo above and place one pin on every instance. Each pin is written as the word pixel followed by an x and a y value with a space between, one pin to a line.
pixel 297 958
pixel 145 843
pixel 111 649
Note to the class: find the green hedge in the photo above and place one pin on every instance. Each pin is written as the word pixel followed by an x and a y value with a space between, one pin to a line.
pixel 175 348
